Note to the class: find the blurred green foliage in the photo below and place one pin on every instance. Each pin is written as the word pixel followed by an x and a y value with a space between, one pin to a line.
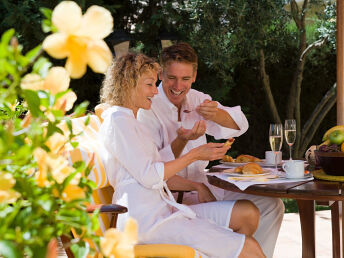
pixel 227 36
pixel 41 209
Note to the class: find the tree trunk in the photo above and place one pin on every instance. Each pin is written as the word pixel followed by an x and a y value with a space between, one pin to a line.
pixel 312 124
pixel 293 108
pixel 267 89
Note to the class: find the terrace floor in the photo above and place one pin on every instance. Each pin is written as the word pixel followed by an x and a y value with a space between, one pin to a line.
pixel 289 240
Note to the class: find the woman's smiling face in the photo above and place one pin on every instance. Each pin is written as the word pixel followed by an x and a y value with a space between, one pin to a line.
pixel 144 91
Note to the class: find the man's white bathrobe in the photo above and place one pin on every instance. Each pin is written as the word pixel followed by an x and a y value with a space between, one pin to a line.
pixel 162 121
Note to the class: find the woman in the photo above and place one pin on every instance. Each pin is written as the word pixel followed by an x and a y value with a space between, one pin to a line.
pixel 137 172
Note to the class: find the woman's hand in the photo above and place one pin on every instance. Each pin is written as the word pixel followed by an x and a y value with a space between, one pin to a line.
pixel 192 134
pixel 204 194
pixel 211 151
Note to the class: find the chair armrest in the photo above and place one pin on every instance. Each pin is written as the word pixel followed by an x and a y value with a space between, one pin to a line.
pixel 107 208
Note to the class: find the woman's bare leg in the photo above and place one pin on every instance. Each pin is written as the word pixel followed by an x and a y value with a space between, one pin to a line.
pixel 244 218
pixel 251 249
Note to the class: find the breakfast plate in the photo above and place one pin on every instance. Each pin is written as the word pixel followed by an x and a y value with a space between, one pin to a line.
pixel 234 164
pixel 230 172
pixel 261 163
pixel 264 164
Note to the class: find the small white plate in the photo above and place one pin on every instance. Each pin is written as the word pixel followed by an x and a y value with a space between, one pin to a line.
pixel 264 164
pixel 235 164
pixel 306 176
pixel 230 172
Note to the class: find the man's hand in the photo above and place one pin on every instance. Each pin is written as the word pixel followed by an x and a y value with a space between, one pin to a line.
pixel 208 109
pixel 204 194
pixel 193 134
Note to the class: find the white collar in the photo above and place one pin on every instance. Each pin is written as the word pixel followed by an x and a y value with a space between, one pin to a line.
pixel 185 104
pixel 113 109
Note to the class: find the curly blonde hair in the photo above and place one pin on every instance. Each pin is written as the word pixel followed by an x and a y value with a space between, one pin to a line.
pixel 122 77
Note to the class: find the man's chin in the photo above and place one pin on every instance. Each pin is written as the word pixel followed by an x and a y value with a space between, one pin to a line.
pixel 176 100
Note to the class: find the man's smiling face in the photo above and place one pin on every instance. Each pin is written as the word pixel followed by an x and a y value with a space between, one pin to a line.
pixel 177 79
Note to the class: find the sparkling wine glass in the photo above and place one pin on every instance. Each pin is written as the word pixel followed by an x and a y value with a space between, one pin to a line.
pixel 290 133
pixel 276 139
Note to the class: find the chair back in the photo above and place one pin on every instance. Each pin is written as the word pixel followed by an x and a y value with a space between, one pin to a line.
pixel 88 147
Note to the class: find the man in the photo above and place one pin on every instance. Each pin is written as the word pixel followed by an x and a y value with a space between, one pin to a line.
pixel 179 118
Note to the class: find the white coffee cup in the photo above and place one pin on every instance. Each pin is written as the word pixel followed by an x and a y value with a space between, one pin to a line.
pixel 294 168
pixel 270 157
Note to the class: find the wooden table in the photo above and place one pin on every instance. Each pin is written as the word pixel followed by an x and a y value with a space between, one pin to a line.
pixel 305 193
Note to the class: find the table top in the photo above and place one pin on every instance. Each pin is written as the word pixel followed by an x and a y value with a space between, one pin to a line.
pixel 311 190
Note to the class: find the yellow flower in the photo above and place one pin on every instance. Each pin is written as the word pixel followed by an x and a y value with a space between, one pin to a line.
pixel 32 81
pixel 80 38
pixel 120 244
pixel 7 194
pixel 56 142
pixel 54 164
pixel 72 192
pixel 57 80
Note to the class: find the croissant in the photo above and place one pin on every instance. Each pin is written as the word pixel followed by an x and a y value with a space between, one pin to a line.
pixel 252 168
pixel 238 169
pixel 246 158
pixel 228 158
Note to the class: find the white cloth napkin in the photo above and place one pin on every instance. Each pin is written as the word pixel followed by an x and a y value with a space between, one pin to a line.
pixel 244 182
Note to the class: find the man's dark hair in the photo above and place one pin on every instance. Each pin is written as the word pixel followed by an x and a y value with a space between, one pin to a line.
pixel 181 52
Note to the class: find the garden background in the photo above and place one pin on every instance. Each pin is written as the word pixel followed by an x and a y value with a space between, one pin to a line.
pixel 246 49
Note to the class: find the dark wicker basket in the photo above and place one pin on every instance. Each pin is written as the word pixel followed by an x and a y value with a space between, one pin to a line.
pixel 331 162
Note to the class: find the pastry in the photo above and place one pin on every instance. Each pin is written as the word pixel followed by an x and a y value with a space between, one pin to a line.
pixel 228 158
pixel 251 169
pixel 229 142
pixel 246 158
pixel 238 169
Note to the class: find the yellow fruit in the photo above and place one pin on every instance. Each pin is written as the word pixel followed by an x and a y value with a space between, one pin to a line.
pixel 337 127
pixel 327 142
pixel 342 147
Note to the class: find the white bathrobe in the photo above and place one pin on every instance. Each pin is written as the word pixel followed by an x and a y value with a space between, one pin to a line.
pixel 162 121
pixel 136 171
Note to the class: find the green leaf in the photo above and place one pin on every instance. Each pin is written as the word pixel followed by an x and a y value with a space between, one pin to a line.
pixel 46 26
pixel 69 125
pixel 8 249
pixel 42 66
pixel 81 249
pixel 46 12
pixel 57 113
pixel 5 39
pixel 87 121
pixel 33 53
pixel 11 69
pixel 45 98
pixel 33 102
pixel 74 144
pixel 81 109
pixel 45 204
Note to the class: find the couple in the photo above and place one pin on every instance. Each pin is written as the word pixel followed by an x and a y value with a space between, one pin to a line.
pixel 141 157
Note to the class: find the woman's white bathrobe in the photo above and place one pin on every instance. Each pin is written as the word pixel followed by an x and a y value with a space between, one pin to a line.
pixel 136 171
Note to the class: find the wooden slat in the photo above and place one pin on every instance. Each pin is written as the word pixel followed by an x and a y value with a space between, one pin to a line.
pixel 335 223
pixel 317 188
pixel 340 62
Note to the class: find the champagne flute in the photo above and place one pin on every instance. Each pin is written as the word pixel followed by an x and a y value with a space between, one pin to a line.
pixel 290 133
pixel 276 139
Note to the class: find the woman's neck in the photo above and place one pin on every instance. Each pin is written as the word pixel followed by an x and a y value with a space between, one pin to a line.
pixel 134 109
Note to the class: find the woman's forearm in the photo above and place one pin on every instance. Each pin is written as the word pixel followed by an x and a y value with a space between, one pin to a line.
pixel 174 166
